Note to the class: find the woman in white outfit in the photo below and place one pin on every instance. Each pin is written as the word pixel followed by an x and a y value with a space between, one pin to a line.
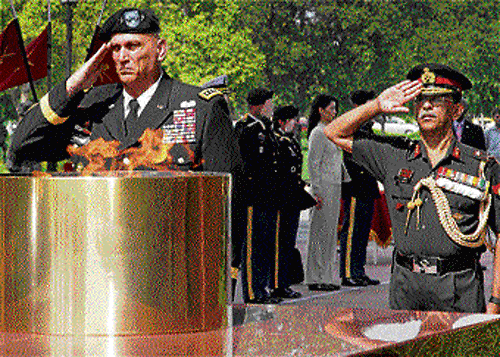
pixel 325 173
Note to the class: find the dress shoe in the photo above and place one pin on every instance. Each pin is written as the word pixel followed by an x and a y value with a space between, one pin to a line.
pixel 323 287
pixel 267 300
pixel 353 282
pixel 369 281
pixel 286 293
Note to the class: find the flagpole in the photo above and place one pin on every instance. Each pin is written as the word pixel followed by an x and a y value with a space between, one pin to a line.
pixel 23 52
pixel 49 47
pixel 95 35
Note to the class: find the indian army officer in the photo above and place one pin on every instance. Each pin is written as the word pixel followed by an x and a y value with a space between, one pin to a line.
pixel 194 121
pixel 259 151
pixel 288 267
pixel 441 194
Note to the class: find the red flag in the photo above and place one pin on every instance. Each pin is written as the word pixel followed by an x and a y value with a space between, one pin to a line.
pixel 12 69
pixel 108 73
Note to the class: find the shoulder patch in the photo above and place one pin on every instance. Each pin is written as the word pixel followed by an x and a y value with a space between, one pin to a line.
pixel 209 93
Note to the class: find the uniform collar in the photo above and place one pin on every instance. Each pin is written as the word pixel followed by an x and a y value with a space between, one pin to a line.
pixel 143 99
pixel 454 151
pixel 261 120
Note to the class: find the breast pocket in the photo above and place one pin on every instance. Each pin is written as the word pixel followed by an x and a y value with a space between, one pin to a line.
pixel 399 201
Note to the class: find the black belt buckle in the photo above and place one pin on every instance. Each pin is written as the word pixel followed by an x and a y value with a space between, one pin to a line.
pixel 424 266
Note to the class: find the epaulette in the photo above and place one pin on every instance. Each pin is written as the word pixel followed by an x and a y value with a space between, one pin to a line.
pixel 209 93
pixel 399 142
pixel 481 155
pixel 242 120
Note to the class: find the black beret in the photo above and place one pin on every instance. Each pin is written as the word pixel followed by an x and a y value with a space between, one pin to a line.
pixel 439 79
pixel 217 82
pixel 361 96
pixel 259 96
pixel 130 20
pixel 285 113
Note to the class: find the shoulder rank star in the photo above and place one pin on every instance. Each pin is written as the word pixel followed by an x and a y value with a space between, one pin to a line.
pixel 209 93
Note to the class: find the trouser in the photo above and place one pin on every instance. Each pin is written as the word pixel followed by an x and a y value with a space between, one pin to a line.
pixel 459 291
pixel 287 265
pixel 238 237
pixel 358 214
pixel 258 252
pixel 322 263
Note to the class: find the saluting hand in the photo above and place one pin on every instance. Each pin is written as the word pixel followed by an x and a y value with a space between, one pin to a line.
pixel 492 309
pixel 393 99
pixel 88 73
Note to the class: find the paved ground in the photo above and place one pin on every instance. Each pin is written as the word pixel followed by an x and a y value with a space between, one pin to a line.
pixel 378 266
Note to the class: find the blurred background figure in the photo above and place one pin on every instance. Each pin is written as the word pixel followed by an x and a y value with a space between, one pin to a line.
pixel 358 197
pixel 288 265
pixel 492 135
pixel 325 172
pixel 259 151
pixel 467 132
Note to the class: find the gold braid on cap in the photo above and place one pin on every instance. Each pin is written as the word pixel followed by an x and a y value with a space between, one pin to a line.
pixel 450 226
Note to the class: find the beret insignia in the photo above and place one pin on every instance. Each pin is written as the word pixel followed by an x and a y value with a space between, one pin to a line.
pixel 132 18
pixel 428 77
pixel 209 93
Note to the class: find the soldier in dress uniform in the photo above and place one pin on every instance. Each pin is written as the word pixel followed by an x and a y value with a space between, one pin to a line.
pixel 288 268
pixel 238 206
pixel 441 194
pixel 358 196
pixel 194 121
pixel 259 151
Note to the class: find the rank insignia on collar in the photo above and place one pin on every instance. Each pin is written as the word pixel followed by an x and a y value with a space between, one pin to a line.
pixel 456 153
pixel 404 175
pixel 496 189
pixel 417 151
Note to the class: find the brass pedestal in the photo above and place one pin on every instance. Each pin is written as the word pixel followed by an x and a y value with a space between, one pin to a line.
pixel 121 254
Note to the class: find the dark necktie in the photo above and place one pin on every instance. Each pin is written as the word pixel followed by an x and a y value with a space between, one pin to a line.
pixel 131 117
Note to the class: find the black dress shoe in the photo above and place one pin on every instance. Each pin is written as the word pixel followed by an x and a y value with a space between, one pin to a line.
pixel 369 281
pixel 323 287
pixel 286 293
pixel 353 282
pixel 268 300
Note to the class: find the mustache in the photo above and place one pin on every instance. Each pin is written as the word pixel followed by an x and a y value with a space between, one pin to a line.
pixel 426 114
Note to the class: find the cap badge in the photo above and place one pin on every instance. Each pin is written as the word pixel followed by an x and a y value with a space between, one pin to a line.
pixel 428 77
pixel 132 18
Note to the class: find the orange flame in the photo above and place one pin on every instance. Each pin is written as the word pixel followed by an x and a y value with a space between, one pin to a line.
pixel 152 153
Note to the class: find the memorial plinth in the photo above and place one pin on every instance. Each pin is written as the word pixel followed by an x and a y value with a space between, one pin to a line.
pixel 114 254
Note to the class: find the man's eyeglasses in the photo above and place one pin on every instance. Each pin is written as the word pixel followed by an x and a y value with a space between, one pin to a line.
pixel 435 100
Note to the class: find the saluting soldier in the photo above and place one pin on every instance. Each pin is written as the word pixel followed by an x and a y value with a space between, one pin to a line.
pixel 441 194
pixel 259 151
pixel 288 268
pixel 194 121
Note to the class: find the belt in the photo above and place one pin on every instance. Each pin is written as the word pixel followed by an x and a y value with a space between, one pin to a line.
pixel 435 265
